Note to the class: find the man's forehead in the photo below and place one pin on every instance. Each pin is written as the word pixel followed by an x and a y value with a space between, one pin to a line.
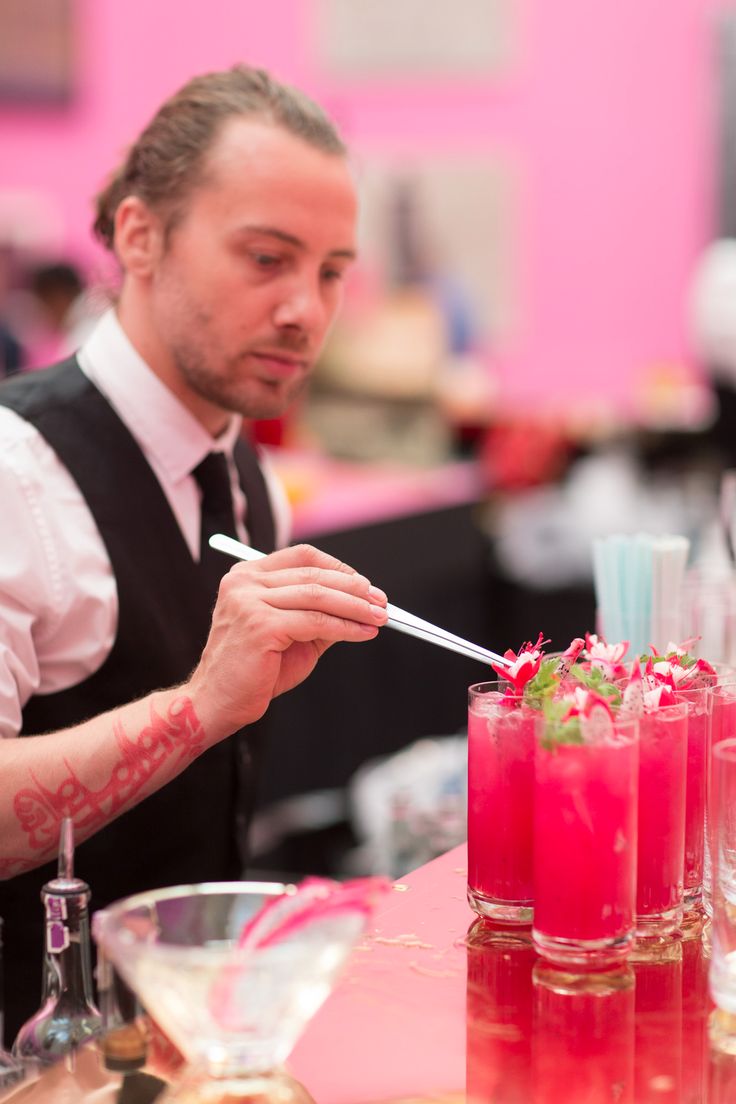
pixel 262 142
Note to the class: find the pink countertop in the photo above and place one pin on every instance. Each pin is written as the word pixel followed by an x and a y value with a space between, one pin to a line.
pixel 329 495
pixel 430 1011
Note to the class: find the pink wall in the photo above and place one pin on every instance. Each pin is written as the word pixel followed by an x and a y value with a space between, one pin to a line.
pixel 606 112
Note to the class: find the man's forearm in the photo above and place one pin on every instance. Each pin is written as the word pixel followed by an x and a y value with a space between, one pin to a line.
pixel 91 773
pixel 272 621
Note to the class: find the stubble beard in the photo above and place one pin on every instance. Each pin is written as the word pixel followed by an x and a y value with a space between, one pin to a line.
pixel 248 397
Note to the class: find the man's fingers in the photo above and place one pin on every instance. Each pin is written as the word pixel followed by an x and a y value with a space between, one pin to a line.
pixel 326 600
pixel 301 555
pixel 310 626
pixel 306 576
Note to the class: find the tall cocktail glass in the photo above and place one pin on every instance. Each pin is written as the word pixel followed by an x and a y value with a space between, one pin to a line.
pixel 233 971
pixel 500 794
pixel 585 844
pixel 721 710
pixel 723 835
pixel 697 745
pixel 661 832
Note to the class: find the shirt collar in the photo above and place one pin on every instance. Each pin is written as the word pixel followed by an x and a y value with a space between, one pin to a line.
pixel 166 431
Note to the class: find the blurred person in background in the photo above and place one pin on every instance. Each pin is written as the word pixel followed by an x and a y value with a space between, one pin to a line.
pixel 233 222
pixel 12 353
pixel 64 313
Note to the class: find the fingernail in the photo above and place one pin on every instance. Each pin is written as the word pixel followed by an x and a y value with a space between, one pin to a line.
pixel 374 592
pixel 378 613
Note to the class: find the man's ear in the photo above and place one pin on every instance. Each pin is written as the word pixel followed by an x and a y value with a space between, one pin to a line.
pixel 138 237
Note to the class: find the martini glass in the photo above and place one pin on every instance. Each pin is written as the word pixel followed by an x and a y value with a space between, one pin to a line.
pixel 233 971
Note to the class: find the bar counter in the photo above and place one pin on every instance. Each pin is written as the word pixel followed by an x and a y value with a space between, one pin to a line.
pixel 436 1007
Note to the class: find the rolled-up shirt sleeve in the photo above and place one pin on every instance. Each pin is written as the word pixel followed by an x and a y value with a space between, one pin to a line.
pixel 58 601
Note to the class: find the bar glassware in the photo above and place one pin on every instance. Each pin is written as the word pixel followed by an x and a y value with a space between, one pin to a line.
pixel 585 844
pixel 722 975
pixel 233 971
pixel 721 710
pixel 500 794
pixel 697 744
pixel 661 830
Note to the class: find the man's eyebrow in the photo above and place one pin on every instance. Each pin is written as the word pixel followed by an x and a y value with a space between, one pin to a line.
pixel 292 239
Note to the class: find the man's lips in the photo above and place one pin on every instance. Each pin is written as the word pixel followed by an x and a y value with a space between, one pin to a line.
pixel 280 365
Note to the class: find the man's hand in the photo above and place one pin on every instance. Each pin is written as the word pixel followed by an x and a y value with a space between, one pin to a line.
pixel 273 619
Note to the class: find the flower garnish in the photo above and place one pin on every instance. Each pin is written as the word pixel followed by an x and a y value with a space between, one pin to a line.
pixel 523 666
pixel 633 699
pixel 569 656
pixel 605 657
pixel 585 702
pixel 680 670
pixel 579 718
pixel 659 696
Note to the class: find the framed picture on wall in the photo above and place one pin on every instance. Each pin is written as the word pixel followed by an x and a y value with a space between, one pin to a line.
pixel 36 51
pixel 413 39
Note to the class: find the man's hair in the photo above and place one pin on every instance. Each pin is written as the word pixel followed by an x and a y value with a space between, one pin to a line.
pixel 168 160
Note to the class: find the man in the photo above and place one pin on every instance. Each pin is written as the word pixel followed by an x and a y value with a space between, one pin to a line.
pixel 233 220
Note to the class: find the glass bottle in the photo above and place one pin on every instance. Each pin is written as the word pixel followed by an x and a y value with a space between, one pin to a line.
pixel 68 1016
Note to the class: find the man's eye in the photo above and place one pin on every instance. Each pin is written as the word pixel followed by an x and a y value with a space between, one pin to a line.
pixel 330 274
pixel 265 260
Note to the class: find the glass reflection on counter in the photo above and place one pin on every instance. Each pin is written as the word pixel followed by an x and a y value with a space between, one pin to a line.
pixel 658 1036
pixel 583 1042
pixel 499 1014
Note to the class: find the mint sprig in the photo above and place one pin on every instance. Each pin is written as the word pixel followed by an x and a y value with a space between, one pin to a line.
pixel 594 679
pixel 544 684
pixel 557 730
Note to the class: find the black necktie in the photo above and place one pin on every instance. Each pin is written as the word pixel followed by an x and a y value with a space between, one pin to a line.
pixel 217 511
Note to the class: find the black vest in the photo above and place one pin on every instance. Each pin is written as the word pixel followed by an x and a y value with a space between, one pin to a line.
pixel 194 828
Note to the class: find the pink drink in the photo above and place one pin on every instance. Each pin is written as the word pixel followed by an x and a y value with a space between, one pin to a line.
pixel 697 743
pixel 585 841
pixel 500 791
pixel 721 708
pixel 662 777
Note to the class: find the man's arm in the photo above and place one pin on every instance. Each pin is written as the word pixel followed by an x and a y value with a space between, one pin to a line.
pixel 273 620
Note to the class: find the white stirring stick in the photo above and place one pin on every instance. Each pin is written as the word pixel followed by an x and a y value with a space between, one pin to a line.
pixel 398 619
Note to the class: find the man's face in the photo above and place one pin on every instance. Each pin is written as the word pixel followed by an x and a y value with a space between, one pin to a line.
pixel 251 279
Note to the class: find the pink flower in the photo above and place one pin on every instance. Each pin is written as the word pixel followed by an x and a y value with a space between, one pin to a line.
pixel 660 683
pixel 523 666
pixel 585 702
pixel 608 658
pixel 658 696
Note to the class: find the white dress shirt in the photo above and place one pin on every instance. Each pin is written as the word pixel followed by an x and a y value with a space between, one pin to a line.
pixel 58 598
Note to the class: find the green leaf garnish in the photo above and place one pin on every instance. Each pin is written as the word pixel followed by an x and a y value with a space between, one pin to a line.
pixel 544 684
pixel 558 731
pixel 595 680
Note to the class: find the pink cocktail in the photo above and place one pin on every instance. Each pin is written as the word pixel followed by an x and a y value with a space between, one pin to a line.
pixel 721 709
pixel 661 847
pixel 585 843
pixel 500 794
pixel 697 747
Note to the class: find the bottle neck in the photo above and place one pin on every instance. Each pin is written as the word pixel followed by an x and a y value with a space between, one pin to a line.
pixel 68 967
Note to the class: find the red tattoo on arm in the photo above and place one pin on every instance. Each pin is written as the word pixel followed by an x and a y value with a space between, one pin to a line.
pixel 179 735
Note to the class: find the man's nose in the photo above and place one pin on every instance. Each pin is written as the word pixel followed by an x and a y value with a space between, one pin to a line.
pixel 302 306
